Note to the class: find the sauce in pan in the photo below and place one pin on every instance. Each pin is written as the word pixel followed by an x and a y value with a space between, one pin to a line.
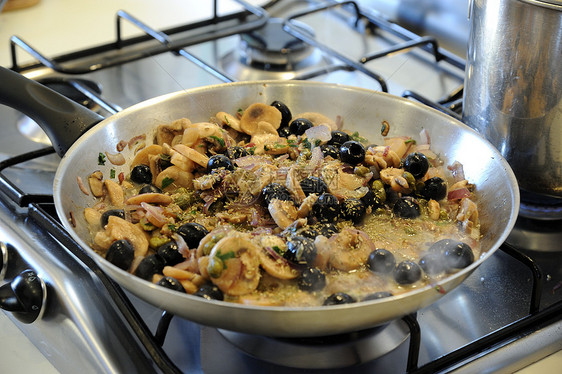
pixel 269 208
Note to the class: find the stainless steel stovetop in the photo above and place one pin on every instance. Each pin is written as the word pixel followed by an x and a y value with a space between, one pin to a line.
pixel 497 320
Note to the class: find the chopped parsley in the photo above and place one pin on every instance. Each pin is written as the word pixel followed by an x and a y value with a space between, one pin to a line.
pixel 172 227
pixel 218 140
pixel 355 136
pixel 413 141
pixel 101 159
pixel 112 173
pixel 166 182
pixel 226 120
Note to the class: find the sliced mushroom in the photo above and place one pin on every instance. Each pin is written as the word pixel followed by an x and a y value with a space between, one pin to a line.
pixel 229 120
pixel 115 192
pixel 95 180
pixel 118 229
pixel 167 132
pixel 192 154
pixel 234 265
pixel 142 156
pixel 257 113
pixel 284 213
pixel 150 198
pixel 173 177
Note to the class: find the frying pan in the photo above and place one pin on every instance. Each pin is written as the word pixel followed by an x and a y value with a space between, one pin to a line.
pixel 363 110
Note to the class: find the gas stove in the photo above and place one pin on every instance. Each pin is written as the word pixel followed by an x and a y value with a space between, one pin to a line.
pixel 506 315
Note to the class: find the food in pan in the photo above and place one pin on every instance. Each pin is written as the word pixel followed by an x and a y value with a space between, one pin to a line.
pixel 266 207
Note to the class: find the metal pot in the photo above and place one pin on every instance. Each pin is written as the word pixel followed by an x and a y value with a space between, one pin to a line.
pixel 513 89
pixel 363 110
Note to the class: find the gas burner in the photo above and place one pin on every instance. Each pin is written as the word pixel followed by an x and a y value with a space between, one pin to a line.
pixel 540 207
pixel 272 53
pixel 331 352
pixel 31 130
pixel 536 235
pixel 272 48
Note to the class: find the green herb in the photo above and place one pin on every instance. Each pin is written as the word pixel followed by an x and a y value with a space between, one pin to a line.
pixel 219 140
pixel 251 150
pixel 166 182
pixel 225 256
pixel 172 227
pixel 240 111
pixel 277 249
pixel 101 159
pixel 306 143
pixel 355 136
pixel 317 142
pixel 112 173
pixel 292 143
pixel 226 120
pixel 165 157
pixel 413 141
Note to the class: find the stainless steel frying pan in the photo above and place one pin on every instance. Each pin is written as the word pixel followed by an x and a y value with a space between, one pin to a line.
pixel 362 110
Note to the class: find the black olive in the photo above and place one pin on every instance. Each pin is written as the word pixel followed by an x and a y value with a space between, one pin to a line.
pixel 433 263
pixel 299 126
pixel 377 295
pixel 236 152
pixel 434 188
pixel 219 161
pixel 164 163
pixel 149 188
pixel 339 298
pixel 338 138
pixel 210 292
pixel 312 184
pixel 459 256
pixel 112 212
pixel 327 229
pixel 326 208
pixel 285 112
pixel 192 233
pixel 141 174
pixel 381 261
pixel 406 208
pixel 150 265
pixel 171 284
pixel 370 199
pixel 308 232
pixel 416 164
pixel 169 252
pixel 284 132
pixel 121 254
pixel 312 279
pixel 352 152
pixel 407 272
pixel 276 191
pixel 330 150
pixel 352 210
pixel 300 250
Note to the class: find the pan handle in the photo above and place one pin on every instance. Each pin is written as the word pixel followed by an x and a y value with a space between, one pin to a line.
pixel 62 119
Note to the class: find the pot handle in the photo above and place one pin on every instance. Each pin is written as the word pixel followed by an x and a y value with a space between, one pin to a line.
pixel 62 119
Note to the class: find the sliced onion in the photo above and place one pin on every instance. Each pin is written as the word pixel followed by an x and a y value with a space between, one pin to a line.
pixel 424 137
pixel 458 194
pixel 320 132
pixel 154 214
pixel 457 170
pixel 115 158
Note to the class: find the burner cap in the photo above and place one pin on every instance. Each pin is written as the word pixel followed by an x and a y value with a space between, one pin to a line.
pixel 271 47
pixel 331 352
